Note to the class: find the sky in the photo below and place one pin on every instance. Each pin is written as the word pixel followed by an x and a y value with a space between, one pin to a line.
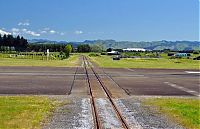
pixel 121 20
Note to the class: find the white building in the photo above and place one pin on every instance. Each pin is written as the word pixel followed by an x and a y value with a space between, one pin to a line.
pixel 134 49
pixel 113 53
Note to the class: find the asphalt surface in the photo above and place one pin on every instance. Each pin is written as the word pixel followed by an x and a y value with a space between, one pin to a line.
pixel 59 81
pixel 165 82
pixel 36 80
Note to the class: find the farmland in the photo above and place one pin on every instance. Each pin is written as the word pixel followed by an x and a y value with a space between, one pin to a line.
pixel 106 61
pixel 38 60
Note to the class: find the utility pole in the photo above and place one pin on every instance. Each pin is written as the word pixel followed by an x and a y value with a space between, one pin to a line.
pixel 47 54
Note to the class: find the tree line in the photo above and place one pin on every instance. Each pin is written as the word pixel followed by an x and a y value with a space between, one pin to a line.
pixel 35 47
pixel 10 43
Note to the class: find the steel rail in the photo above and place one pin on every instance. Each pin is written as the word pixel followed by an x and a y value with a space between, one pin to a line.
pixel 109 96
pixel 70 91
pixel 94 109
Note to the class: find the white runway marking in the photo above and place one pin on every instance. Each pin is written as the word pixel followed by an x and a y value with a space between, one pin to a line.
pixel 91 64
pixel 130 69
pixel 183 89
pixel 37 74
pixel 45 74
pixel 192 72
pixel 126 75
pixel 82 64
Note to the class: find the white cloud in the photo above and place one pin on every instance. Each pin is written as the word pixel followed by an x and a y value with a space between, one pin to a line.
pixel 2 32
pixel 25 23
pixel 52 31
pixel 32 33
pixel 48 30
pixel 16 31
pixel 78 32
pixel 43 32
pixel 24 30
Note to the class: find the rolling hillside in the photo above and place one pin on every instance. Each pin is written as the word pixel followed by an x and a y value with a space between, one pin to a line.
pixel 153 45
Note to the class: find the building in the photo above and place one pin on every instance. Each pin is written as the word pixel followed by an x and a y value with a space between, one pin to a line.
pixel 181 55
pixel 134 49
pixel 113 53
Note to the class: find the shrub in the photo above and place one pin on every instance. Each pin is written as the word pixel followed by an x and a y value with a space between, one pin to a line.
pixel 196 52
pixel 103 53
pixel 94 55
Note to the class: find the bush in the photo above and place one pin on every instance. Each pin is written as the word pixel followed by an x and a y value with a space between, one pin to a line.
pixel 94 55
pixel 196 52
pixel 103 53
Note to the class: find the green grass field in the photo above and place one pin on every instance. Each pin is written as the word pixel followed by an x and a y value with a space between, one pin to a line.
pixel 73 60
pixel 183 111
pixel 25 112
pixel 106 61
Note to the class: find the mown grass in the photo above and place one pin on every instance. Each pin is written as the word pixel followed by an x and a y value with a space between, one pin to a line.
pixel 73 60
pixel 26 112
pixel 183 111
pixel 106 61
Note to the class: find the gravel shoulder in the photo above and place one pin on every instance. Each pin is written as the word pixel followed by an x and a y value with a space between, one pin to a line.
pixel 76 114
pixel 144 117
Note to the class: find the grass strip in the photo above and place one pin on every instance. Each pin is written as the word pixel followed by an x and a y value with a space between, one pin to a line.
pixel 107 62
pixel 185 111
pixel 20 112
pixel 72 61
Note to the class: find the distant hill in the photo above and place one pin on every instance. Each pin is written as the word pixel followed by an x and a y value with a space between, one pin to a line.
pixel 153 45
pixel 46 41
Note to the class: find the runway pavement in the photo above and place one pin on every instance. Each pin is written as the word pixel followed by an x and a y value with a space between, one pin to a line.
pixel 168 82
pixel 59 80
pixel 36 80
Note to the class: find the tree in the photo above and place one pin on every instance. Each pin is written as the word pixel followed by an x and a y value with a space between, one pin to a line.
pixel 96 48
pixel 1 40
pixel 84 48
pixel 109 50
pixel 68 50
pixel 11 43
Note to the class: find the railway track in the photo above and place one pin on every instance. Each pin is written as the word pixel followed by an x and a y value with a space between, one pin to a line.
pixel 110 77
pixel 98 117
pixel 70 91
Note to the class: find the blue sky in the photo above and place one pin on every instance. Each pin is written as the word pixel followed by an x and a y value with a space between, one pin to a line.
pixel 78 20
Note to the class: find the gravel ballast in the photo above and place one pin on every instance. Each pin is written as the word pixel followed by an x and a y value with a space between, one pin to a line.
pixel 139 116
pixel 74 115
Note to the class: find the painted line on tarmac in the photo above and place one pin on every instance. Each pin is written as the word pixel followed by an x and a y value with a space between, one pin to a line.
pixel 183 89
pixel 91 64
pixel 39 74
pixel 130 69
pixel 126 75
pixel 134 75
pixel 45 74
pixel 82 64
pixel 192 72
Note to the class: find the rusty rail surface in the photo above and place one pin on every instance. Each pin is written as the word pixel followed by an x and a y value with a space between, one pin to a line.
pixel 108 94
